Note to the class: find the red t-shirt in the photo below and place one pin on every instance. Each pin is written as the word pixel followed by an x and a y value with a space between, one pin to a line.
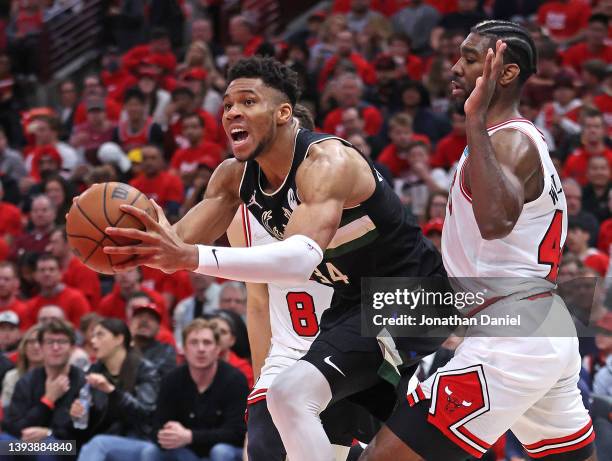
pixel 73 303
pixel 132 60
pixel 187 160
pixel 370 114
pixel 449 150
pixel 164 335
pixel 163 188
pixel 364 69
pixel 113 111
pixel 564 20
pixel 20 308
pixel 77 275
pixel 577 163
pixel 113 305
pixel 10 220
pixel 213 132
pixel 414 67
pixel 604 103
pixel 578 54
pixel 394 162
pixel 177 284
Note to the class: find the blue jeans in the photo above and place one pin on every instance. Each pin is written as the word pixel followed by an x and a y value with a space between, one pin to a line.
pixel 219 452
pixel 4 437
pixel 112 447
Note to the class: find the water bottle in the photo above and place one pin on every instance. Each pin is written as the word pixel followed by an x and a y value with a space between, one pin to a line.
pixel 85 399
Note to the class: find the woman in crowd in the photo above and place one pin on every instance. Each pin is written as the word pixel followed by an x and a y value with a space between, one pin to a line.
pixel 224 323
pixel 124 390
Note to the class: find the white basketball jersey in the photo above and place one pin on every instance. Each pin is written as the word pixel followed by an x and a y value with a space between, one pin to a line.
pixel 529 254
pixel 295 312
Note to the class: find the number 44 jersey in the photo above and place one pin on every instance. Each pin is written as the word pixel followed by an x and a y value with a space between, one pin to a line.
pixel 526 259
pixel 294 311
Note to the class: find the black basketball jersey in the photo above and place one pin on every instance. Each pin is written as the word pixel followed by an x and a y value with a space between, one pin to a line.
pixel 376 238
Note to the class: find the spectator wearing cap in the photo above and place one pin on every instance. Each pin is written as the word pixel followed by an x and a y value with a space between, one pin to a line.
pixel 450 147
pixel 207 98
pixel 573 197
pixel 432 229
pixel 578 243
pixel 144 320
pixel 417 20
pixel 345 52
pixel 384 94
pixel 242 32
pixel 540 87
pixel 11 161
pixel 402 136
pixel 137 128
pixel 594 46
pixel 42 397
pixel 52 291
pixel 560 116
pixel 184 102
pixel 93 87
pixel 400 49
pixel 564 19
pixel 158 184
pixel 9 289
pixel 593 144
pixel 9 331
pixel 97 129
pixel 349 93
pixel 74 273
pixel 597 191
pixel 125 285
pixel 185 161
pixel 42 219
pixel 115 78
pixel 159 49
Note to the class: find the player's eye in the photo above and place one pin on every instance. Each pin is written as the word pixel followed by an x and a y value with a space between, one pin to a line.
pixel 249 102
pixel 227 107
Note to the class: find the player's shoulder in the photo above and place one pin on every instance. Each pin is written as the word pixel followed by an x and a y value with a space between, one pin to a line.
pixel 331 153
pixel 228 174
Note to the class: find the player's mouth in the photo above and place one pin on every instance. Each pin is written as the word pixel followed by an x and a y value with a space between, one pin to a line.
pixel 457 89
pixel 239 136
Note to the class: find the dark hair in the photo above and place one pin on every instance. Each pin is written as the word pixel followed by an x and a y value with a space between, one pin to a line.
pixel 271 72
pixel 401 37
pixel 47 257
pixel 407 84
pixel 521 48
pixel 304 116
pixel 134 93
pixel 57 327
pixel 88 319
pixel 194 115
pixel 67 187
pixel 596 67
pixel 183 90
pixel 158 33
pixel 599 17
pixel 548 50
pixel 52 121
pixel 118 327
pixel 62 231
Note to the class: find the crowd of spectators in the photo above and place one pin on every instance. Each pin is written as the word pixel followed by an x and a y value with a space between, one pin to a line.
pixel 374 72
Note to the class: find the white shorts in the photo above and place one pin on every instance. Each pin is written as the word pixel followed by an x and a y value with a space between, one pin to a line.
pixel 278 360
pixel 526 384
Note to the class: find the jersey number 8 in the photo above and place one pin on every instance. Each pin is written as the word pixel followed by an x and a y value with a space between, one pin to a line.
pixel 302 312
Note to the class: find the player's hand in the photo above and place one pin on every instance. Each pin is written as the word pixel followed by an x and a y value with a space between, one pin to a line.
pixel 160 247
pixel 478 102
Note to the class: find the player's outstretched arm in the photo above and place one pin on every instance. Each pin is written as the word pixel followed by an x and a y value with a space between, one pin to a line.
pixel 498 167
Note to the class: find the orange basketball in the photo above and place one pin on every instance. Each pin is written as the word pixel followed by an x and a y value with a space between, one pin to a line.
pixel 96 209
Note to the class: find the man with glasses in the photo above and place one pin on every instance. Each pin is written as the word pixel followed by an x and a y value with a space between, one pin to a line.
pixel 39 409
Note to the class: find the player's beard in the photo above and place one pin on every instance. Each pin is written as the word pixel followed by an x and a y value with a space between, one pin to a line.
pixel 261 147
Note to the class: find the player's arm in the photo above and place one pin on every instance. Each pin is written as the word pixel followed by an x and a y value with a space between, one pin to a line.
pixel 498 167
pixel 258 311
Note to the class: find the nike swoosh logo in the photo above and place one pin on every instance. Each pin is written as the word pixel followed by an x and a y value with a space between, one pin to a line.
pixel 214 252
pixel 333 365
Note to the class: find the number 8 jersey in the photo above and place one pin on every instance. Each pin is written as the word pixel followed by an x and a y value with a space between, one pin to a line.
pixel 295 312
pixel 529 255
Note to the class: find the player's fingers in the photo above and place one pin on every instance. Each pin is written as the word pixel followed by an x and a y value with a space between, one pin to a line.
pixel 130 250
pixel 132 264
pixel 486 73
pixel 141 215
pixel 135 234
pixel 161 216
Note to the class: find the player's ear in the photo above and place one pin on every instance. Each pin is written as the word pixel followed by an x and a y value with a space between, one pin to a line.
pixel 510 74
pixel 284 113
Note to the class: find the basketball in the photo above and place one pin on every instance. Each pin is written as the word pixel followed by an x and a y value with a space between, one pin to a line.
pixel 96 209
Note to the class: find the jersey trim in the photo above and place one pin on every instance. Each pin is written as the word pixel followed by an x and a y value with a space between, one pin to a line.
pixel 246 226
pixel 242 178
pixel 571 442
pixel 286 177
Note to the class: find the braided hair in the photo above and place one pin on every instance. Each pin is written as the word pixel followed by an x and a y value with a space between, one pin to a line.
pixel 520 50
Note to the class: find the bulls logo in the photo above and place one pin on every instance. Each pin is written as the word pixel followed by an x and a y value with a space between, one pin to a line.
pixel 453 403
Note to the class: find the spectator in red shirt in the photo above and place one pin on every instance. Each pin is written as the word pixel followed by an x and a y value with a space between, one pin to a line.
pixel 410 64
pixel 159 50
pixel 592 144
pixel 394 156
pixel 185 161
pixel 594 47
pixel 92 86
pixel 53 292
pixel 564 19
pixel 160 185
pixel 89 136
pixel 11 224
pixel 242 32
pixel 449 148
pixel 349 94
pixel 42 217
pixel 184 102
pixel 604 101
pixel 578 243
pixel 595 195
pixel 207 97
pixel 126 285
pixel 137 129
pixel 345 51
pixel 75 274
pixel 9 289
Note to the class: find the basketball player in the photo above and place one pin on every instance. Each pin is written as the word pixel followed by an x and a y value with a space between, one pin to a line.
pixel 506 217
pixel 334 218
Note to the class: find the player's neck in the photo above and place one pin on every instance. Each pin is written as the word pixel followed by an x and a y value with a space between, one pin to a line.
pixel 276 161
pixel 503 108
